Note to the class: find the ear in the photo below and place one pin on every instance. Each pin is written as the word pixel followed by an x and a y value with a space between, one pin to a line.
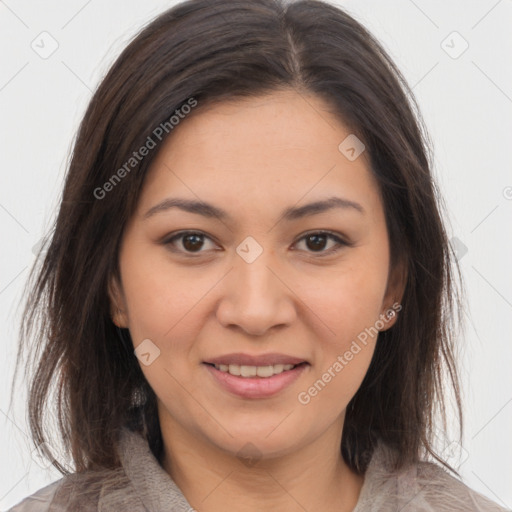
pixel 392 303
pixel 117 303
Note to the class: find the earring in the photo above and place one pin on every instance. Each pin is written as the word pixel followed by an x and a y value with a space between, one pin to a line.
pixel 139 397
pixel 114 316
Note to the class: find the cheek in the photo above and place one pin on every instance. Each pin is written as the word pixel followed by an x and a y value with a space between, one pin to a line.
pixel 349 308
pixel 331 388
pixel 159 297
pixel 349 305
pixel 349 299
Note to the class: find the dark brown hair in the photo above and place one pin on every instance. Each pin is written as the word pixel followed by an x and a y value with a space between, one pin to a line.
pixel 214 51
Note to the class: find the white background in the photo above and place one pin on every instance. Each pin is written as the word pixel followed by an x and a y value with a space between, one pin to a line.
pixel 467 105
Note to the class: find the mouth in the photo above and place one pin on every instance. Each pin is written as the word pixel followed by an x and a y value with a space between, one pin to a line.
pixel 262 372
pixel 255 382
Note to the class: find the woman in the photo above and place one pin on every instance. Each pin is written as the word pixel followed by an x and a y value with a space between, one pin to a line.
pixel 249 294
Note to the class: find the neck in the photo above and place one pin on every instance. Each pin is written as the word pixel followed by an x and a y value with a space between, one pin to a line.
pixel 314 477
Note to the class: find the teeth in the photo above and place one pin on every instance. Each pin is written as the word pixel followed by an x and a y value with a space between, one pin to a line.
pixel 253 371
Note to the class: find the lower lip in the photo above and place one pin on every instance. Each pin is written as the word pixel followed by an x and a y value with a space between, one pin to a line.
pixel 256 387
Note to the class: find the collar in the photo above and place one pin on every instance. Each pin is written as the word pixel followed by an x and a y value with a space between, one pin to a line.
pixel 157 491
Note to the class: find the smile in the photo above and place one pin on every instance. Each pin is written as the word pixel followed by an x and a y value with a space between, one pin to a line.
pixel 254 371
pixel 255 381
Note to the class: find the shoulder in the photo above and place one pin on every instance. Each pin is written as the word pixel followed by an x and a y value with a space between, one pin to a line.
pixel 101 490
pixel 39 501
pixel 421 487
pixel 431 487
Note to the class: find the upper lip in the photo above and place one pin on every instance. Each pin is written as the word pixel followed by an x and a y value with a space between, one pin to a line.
pixel 259 360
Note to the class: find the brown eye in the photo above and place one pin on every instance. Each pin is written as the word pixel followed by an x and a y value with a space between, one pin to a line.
pixel 316 242
pixel 191 242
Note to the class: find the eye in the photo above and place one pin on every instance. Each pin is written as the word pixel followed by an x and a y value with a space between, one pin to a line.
pixel 316 240
pixel 191 241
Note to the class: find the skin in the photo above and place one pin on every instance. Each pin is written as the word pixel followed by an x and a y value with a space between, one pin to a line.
pixel 254 158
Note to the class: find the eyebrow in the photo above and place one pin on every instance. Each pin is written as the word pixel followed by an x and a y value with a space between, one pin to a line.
pixel 292 213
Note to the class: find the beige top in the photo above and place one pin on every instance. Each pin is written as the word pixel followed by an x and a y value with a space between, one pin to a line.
pixel 142 485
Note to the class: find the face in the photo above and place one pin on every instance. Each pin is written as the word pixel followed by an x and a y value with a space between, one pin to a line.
pixel 258 279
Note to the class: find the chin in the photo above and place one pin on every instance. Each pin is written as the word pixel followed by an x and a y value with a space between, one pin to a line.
pixel 267 439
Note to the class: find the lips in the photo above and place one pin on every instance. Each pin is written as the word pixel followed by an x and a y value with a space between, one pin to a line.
pixel 259 360
pixel 255 387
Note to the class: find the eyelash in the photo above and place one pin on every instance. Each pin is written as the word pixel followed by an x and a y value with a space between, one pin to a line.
pixel 339 241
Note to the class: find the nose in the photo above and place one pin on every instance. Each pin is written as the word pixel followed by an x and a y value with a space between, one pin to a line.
pixel 256 297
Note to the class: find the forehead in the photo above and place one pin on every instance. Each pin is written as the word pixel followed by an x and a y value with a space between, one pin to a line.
pixel 276 148
pixel 284 124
